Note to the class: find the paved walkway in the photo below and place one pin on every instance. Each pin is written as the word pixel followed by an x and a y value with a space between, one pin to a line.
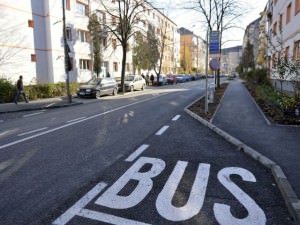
pixel 239 115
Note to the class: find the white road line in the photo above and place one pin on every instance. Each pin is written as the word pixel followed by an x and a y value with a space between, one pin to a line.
pixel 78 206
pixel 106 218
pixel 33 131
pixel 70 121
pixel 79 121
pixel 176 117
pixel 162 130
pixel 32 114
pixel 5 164
pixel 50 105
pixel 136 153
pixel 1 121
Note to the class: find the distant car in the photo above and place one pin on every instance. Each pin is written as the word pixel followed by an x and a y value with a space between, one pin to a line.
pixel 193 76
pixel 171 79
pixel 162 79
pixel 134 82
pixel 187 77
pixel 180 78
pixel 96 87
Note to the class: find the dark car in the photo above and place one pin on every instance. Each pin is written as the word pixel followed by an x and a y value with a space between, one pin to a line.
pixel 180 78
pixel 97 87
pixel 171 79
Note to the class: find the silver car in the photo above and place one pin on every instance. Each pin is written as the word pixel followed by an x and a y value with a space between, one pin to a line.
pixel 134 82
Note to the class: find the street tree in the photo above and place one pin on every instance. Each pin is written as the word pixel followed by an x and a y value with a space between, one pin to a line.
pixel 153 53
pixel 125 15
pixel 219 15
pixel 140 52
pixel 247 61
pixel 94 27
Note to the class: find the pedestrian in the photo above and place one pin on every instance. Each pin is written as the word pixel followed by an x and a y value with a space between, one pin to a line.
pixel 147 79
pixel 152 79
pixel 143 76
pixel 20 90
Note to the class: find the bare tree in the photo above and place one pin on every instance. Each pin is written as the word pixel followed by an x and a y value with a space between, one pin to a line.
pixel 220 15
pixel 125 16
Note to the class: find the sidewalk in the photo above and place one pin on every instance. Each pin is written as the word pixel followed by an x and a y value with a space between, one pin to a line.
pixel 239 115
pixel 38 105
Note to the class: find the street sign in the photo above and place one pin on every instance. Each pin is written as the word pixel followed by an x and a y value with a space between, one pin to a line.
pixel 214 42
pixel 214 64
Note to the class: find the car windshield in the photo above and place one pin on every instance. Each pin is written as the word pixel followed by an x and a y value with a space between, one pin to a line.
pixel 129 78
pixel 94 81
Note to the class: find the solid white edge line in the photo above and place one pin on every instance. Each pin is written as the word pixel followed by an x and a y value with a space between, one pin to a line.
pixel 50 105
pixel 107 218
pixel 70 124
pixel 136 153
pixel 32 114
pixel 162 130
pixel 176 117
pixel 79 205
pixel 33 131
pixel 70 121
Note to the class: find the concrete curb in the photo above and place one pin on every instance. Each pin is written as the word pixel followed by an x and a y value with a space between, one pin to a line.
pixel 42 107
pixel 288 194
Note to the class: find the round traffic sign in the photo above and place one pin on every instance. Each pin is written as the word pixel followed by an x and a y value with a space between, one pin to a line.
pixel 214 64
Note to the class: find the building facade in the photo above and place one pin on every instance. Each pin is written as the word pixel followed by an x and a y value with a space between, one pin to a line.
pixel 230 59
pixel 192 52
pixel 31 41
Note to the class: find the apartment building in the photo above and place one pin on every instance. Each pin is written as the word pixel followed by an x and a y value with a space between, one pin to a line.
pixel 230 59
pixel 284 32
pixel 31 40
pixel 192 52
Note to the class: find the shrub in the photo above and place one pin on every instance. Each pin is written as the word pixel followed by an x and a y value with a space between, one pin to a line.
pixel 8 90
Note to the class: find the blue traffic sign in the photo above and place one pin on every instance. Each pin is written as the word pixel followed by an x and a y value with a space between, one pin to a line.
pixel 214 42
pixel 214 64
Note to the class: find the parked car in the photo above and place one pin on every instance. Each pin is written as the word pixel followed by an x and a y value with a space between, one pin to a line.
pixel 162 79
pixel 171 79
pixel 193 76
pixel 187 77
pixel 180 78
pixel 97 87
pixel 134 82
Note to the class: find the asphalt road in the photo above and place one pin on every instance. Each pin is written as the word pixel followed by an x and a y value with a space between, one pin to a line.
pixel 120 161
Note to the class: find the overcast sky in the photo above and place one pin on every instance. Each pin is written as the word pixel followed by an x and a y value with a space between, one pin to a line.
pixel 191 20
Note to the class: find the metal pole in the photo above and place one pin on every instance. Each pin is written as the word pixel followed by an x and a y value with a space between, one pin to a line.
pixel 66 53
pixel 206 73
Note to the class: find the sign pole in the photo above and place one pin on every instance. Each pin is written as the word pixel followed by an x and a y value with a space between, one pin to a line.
pixel 206 73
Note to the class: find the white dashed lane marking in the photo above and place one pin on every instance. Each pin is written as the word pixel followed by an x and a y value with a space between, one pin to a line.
pixel 162 130
pixel 176 118
pixel 136 153
pixel 33 131
pixel 33 114
pixel 81 118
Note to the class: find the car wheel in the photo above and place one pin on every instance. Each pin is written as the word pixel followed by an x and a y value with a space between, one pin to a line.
pixel 98 95
pixel 131 88
pixel 115 91
pixel 143 87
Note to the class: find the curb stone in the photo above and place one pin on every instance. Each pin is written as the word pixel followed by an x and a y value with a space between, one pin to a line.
pixel 287 192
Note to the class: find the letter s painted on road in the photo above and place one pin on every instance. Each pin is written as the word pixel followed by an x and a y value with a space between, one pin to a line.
pixel 222 211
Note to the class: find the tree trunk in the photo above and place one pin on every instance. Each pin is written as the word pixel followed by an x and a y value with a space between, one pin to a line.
pixel 124 47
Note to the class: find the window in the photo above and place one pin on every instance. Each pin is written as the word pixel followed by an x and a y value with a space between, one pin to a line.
pixel 288 13
pixel 67 4
pixel 113 1
pixel 115 67
pixel 82 9
pixel 296 50
pixel 286 53
pixel 84 64
pixel 280 23
pixel 69 34
pixel 297 6
pixel 275 28
pixel 30 23
pixel 83 36
pixel 114 43
pixel 101 16
pixel 104 42
pixel 113 20
pixel 33 57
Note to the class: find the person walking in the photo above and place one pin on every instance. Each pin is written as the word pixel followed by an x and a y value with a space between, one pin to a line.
pixel 20 90
pixel 152 79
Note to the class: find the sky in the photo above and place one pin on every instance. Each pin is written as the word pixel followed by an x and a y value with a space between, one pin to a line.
pixel 192 21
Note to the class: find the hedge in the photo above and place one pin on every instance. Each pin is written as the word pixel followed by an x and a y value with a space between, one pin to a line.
pixel 38 91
